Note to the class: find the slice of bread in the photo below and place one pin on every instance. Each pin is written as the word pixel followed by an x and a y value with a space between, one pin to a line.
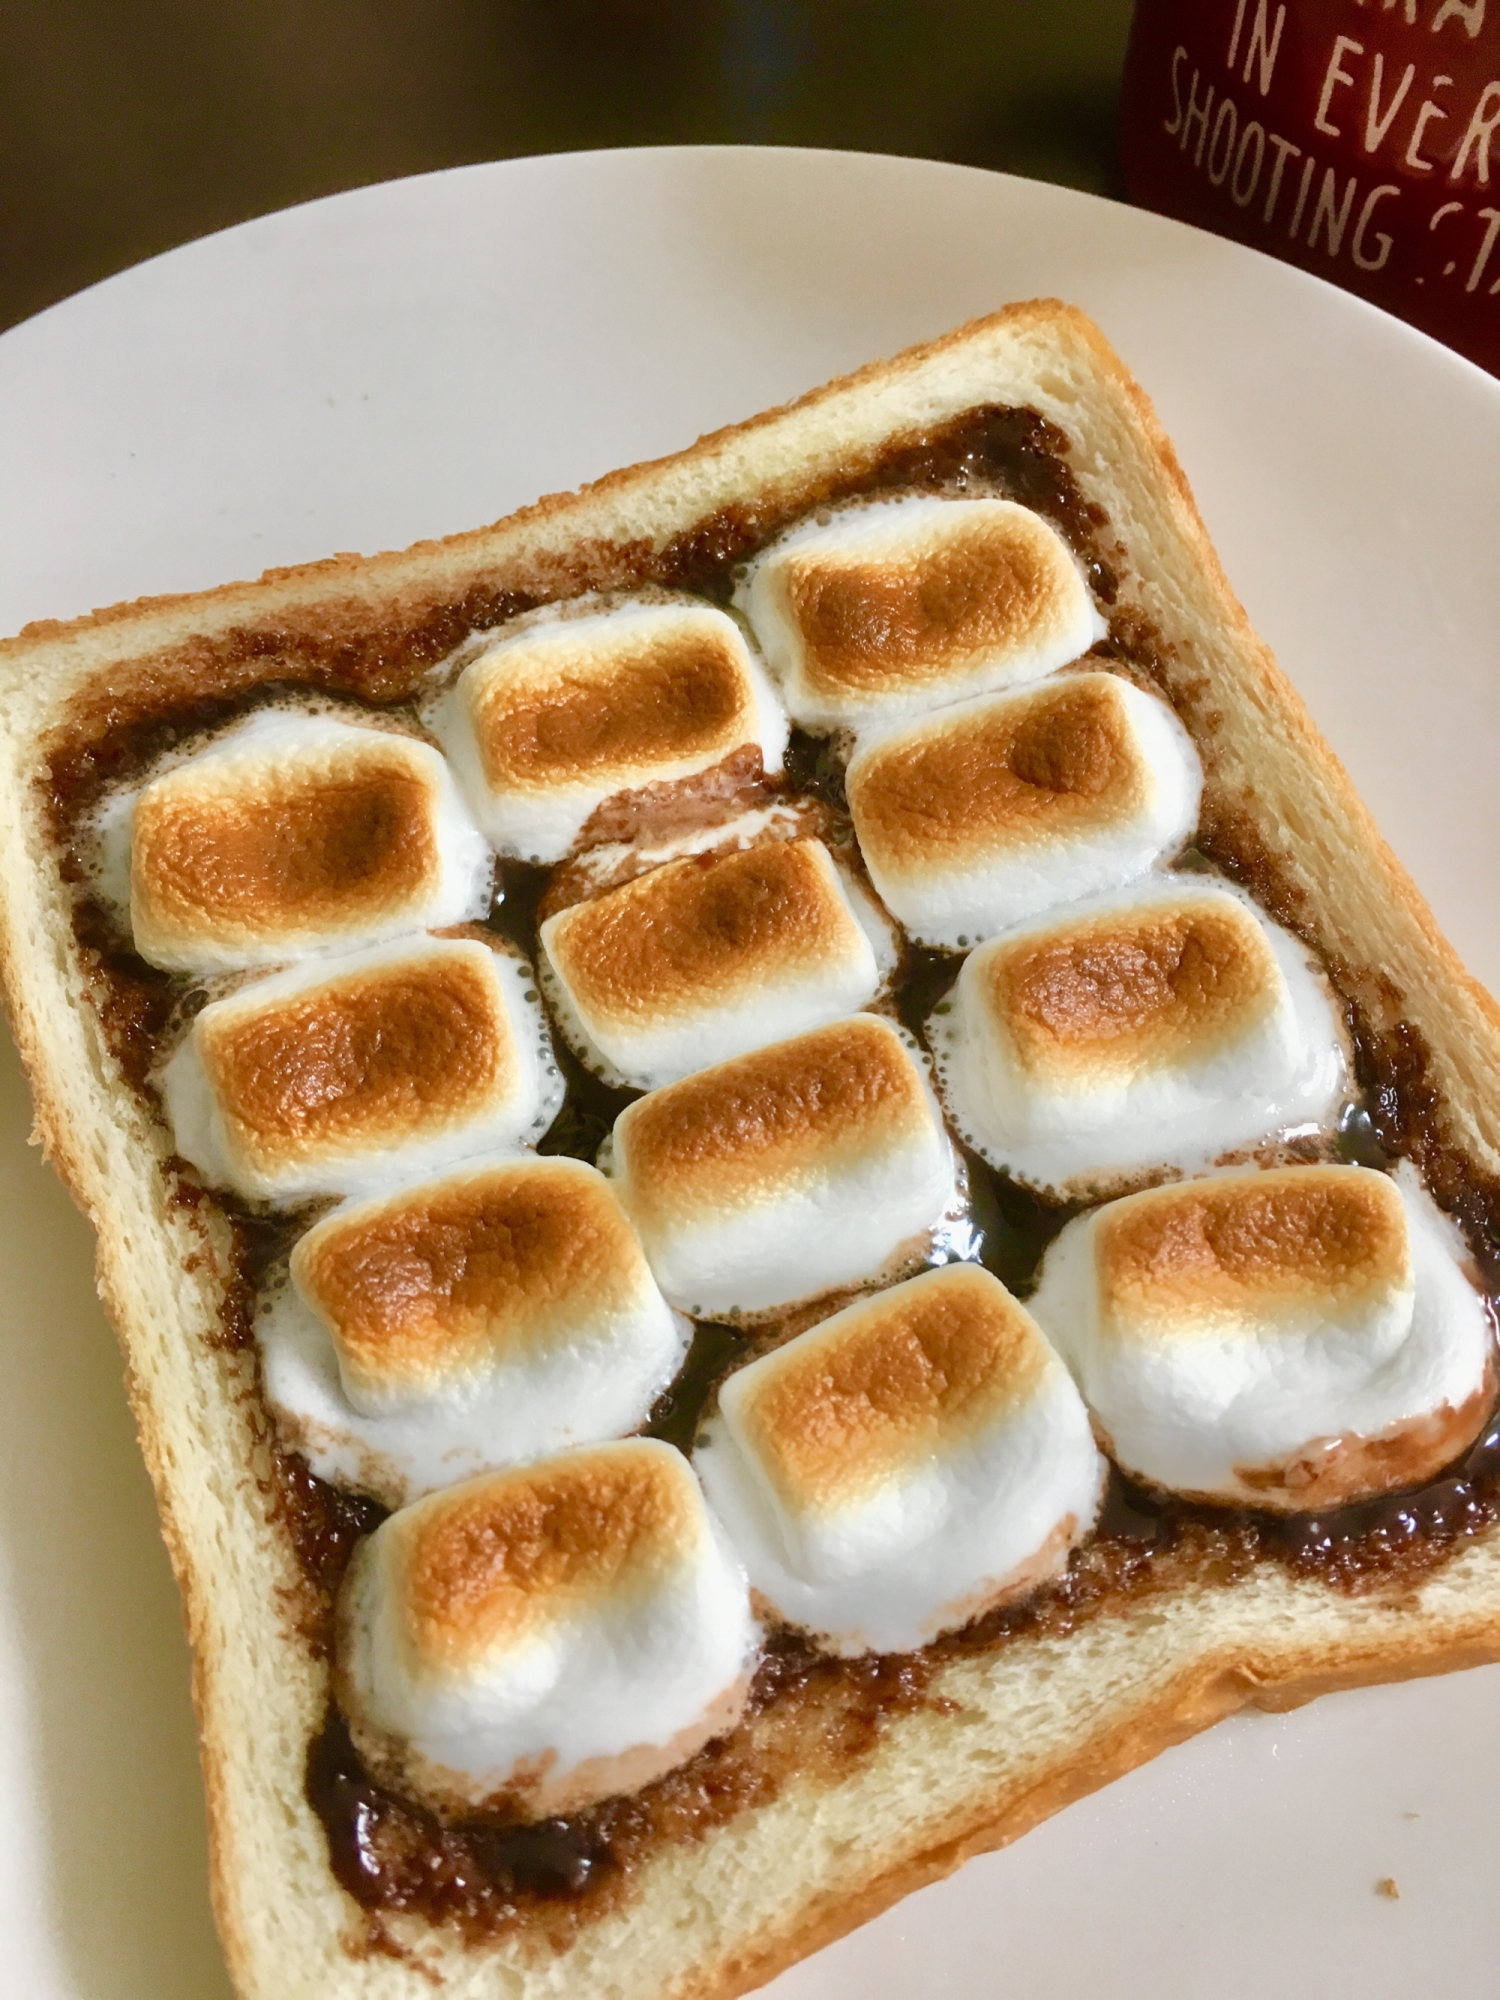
pixel 850 1783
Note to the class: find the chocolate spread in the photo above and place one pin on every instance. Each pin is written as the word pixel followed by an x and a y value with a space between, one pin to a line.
pixel 807 1712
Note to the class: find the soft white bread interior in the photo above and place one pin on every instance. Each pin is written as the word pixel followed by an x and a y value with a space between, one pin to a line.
pixel 1045 1717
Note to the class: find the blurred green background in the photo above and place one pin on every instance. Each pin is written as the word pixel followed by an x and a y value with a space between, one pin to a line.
pixel 127 126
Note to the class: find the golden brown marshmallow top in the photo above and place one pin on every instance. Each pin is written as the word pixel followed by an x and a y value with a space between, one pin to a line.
pixel 387 1053
pixel 797 1108
pixel 1155 984
pixel 703 930
pixel 905 1374
pixel 1259 1246
pixel 470 1268
pixel 1060 759
pixel 496 1561
pixel 877 623
pixel 607 706
pixel 315 843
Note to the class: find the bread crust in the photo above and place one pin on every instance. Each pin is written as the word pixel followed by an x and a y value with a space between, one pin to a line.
pixel 709 1921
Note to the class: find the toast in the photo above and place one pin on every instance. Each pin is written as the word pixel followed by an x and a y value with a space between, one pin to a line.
pixel 849 1781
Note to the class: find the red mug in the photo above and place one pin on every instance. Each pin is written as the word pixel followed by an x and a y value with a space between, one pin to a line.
pixel 1357 138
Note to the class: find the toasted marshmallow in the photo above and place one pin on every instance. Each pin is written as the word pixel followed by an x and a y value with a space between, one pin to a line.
pixel 785 1173
pixel 499 1314
pixel 706 959
pixel 548 1636
pixel 894 608
pixel 908 1464
pixel 349 1074
pixel 992 811
pixel 568 711
pixel 294 834
pixel 1294 1339
pixel 1164 1029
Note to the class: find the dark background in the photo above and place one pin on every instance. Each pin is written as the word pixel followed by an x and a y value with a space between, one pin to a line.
pixel 128 126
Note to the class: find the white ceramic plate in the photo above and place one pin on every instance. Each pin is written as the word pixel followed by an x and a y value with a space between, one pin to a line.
pixel 427 355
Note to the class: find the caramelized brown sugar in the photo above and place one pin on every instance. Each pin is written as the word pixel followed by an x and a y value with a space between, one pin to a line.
pixel 1005 773
pixel 703 931
pixel 477 1264
pixel 602 707
pixel 380 1055
pixel 1139 989
pixel 310 846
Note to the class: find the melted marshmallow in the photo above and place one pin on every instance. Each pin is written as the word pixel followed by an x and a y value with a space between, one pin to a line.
pixel 1294 1339
pixel 1162 1029
pixel 894 608
pixel 293 834
pixel 501 1313
pixel 569 710
pixel 990 812
pixel 552 1635
pixel 913 1461
pixel 348 1074
pixel 705 959
pixel 785 1173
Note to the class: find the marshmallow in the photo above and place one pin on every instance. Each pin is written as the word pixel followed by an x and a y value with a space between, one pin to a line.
pixel 908 1464
pixel 1163 1029
pixel 569 710
pixel 546 1637
pixel 894 608
pixel 292 834
pixel 499 1314
pixel 993 811
pixel 705 959
pixel 1294 1339
pixel 786 1173
pixel 345 1075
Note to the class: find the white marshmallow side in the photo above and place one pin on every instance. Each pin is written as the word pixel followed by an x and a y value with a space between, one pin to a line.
pixel 700 1031
pixel 600 1384
pixel 510 1120
pixel 898 530
pixel 1289 1074
pixel 268 742
pixel 542 821
pixel 602 1676
pixel 923 1552
pixel 955 907
pixel 113 828
pixel 833 1222
pixel 1186 1411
